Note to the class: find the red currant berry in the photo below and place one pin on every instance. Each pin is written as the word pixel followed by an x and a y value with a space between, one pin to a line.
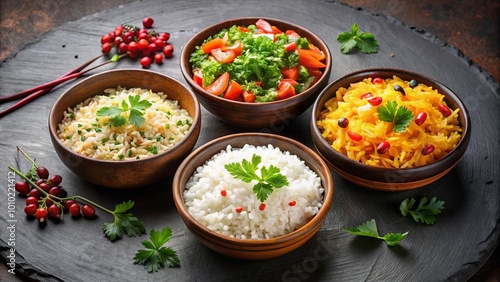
pixel 74 209
pixel 44 186
pixel 123 48
pixel 158 58
pixel 41 214
pixel 132 47
pixel 88 211
pixel 31 200
pixel 106 48
pixel 152 48
pixel 48 202
pixel 168 50
pixel 22 187
pixel 68 203
pixel 54 211
pixel 35 193
pixel 55 180
pixel 143 35
pixel 58 192
pixel 164 36
pixel 117 40
pixel 142 44
pixel 147 22
pixel 42 172
pixel 30 209
pixel 145 62
pixel 105 39
pixel 159 43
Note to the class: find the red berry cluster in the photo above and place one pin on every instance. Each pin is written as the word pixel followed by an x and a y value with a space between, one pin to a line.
pixel 139 43
pixel 53 202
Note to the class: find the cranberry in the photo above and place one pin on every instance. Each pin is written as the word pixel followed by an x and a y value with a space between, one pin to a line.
pixel 35 193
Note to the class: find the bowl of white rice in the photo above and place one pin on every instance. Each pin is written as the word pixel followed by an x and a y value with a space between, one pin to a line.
pixel 226 211
pixel 125 128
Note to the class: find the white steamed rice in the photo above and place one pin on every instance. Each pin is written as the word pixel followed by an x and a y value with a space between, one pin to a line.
pixel 205 202
pixel 166 124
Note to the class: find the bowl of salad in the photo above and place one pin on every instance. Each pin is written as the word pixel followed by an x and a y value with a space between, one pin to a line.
pixel 255 72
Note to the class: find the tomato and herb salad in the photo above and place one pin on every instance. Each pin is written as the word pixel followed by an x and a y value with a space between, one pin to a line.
pixel 257 63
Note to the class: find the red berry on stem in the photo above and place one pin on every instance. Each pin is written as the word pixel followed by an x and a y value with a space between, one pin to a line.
pixel 55 180
pixel 31 200
pixel 88 211
pixel 44 186
pixel 105 39
pixel 74 209
pixel 22 187
pixel 106 48
pixel 35 193
pixel 54 211
pixel 132 47
pixel 147 22
pixel 30 209
pixel 142 44
pixel 68 203
pixel 122 48
pixel 41 214
pixel 42 172
pixel 58 192
pixel 145 62
pixel 158 58
pixel 165 36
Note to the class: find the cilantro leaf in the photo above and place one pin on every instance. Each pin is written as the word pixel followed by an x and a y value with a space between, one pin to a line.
pixel 364 41
pixel 270 176
pixel 369 229
pixel 135 106
pixel 155 256
pixel 400 116
pixel 423 213
pixel 123 223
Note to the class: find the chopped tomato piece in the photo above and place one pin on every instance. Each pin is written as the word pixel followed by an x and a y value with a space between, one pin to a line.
pixel 286 80
pixel 219 85
pixel 264 26
pixel 237 48
pixel 292 46
pixel 291 33
pixel 286 91
pixel 248 96
pixel 242 28
pixel 292 73
pixel 212 44
pixel 233 90
pixel 276 30
pixel 316 53
pixel 309 60
pixel 258 83
pixel 198 78
pixel 316 73
pixel 223 56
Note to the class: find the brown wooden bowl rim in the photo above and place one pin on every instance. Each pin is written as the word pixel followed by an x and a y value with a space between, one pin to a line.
pixel 361 169
pixel 53 119
pixel 197 39
pixel 287 239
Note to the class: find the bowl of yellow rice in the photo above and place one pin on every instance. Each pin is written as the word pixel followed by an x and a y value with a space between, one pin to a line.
pixel 390 129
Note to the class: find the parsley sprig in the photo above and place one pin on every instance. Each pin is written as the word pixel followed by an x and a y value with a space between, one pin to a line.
pixel 270 176
pixel 369 229
pixel 363 41
pixel 135 106
pixel 400 116
pixel 424 212
pixel 123 223
pixel 155 256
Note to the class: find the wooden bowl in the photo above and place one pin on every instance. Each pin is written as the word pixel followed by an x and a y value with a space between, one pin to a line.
pixel 255 115
pixel 389 179
pixel 252 249
pixel 127 173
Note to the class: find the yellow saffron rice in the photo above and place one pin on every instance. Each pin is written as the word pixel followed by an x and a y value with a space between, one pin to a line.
pixel 406 147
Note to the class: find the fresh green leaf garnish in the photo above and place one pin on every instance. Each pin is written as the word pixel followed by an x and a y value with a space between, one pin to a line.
pixel 123 223
pixel 369 229
pixel 135 106
pixel 364 41
pixel 154 257
pixel 400 116
pixel 270 176
pixel 423 213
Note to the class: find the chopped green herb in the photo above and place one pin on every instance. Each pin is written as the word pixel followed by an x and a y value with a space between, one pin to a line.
pixel 79 125
pixel 179 122
pixel 369 229
pixel 121 156
pixel 423 213
pixel 88 129
pixel 98 130
pixel 270 176
pixel 364 41
pixel 117 143
pixel 400 116
pixel 79 132
pixel 104 140
pixel 95 147
pixel 167 126
pixel 153 150
pixel 129 153
pixel 83 138
pixel 158 138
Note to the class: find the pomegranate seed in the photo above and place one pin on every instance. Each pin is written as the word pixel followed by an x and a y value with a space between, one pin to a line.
pixel 421 117
pixel 292 203
pixel 444 110
pixel 383 147
pixel 343 122
pixel 366 95
pixel 354 136
pixel 223 193
pixel 262 207
pixel 375 101
pixel 239 209
pixel 377 80
pixel 428 149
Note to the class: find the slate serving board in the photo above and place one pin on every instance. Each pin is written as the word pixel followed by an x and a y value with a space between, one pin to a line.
pixel 465 235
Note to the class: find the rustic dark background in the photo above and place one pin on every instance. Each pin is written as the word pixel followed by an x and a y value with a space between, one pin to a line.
pixel 471 26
